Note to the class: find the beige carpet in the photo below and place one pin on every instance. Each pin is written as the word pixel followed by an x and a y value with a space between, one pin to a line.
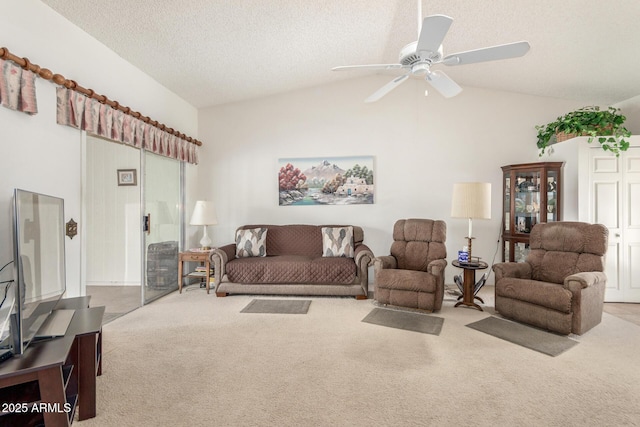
pixel 193 359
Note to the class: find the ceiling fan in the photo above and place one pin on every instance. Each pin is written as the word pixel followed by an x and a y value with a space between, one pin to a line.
pixel 418 57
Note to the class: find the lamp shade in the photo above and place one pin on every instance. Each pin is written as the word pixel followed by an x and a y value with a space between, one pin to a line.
pixel 471 200
pixel 204 213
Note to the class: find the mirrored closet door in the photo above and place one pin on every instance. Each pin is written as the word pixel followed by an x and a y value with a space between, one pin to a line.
pixel 162 178
pixel 132 222
pixel 112 226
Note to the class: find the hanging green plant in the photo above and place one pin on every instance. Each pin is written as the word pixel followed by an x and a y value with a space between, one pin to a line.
pixel 605 125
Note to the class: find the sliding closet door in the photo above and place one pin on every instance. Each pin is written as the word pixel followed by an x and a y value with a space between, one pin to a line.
pixel 110 226
pixel 162 231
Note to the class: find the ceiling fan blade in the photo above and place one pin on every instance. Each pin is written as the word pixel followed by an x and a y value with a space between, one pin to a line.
pixel 443 84
pixel 493 53
pixel 386 88
pixel 367 67
pixel 434 28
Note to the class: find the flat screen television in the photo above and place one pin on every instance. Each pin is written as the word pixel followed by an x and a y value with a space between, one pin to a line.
pixel 39 270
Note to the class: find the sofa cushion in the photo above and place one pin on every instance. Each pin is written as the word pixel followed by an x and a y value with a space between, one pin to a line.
pixel 291 269
pixel 337 242
pixel 407 280
pixel 417 242
pixel 567 236
pixel 546 294
pixel 295 239
pixel 559 249
pixel 299 239
pixel 251 242
pixel 332 270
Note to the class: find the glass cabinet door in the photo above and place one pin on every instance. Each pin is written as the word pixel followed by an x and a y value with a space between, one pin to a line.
pixel 506 206
pixel 515 249
pixel 527 200
pixel 520 251
pixel 552 196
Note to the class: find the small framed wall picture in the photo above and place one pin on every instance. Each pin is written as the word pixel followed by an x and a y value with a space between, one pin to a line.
pixel 127 177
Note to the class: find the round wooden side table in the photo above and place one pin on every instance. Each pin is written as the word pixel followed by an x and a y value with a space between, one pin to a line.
pixel 469 283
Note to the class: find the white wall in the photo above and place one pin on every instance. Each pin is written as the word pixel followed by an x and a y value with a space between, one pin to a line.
pixel 421 147
pixel 631 109
pixel 38 155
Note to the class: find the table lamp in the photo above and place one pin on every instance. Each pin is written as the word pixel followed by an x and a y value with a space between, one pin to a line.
pixel 471 200
pixel 204 214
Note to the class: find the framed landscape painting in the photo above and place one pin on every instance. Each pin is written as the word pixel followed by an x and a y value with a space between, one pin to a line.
pixel 326 181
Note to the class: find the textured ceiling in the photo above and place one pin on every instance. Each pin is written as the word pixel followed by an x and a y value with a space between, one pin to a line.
pixel 212 52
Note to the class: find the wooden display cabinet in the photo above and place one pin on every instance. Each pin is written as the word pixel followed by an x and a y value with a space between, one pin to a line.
pixel 532 193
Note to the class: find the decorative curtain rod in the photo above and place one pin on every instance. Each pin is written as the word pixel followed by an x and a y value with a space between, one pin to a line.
pixel 71 84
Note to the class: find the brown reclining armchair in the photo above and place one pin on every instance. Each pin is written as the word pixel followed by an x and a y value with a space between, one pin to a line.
pixel 560 286
pixel 413 275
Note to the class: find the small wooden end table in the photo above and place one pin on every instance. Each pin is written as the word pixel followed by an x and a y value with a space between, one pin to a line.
pixel 469 283
pixel 197 256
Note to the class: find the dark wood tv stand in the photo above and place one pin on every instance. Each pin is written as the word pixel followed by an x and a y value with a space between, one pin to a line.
pixel 55 377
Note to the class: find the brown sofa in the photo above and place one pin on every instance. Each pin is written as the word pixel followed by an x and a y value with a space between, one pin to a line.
pixel 560 286
pixel 293 265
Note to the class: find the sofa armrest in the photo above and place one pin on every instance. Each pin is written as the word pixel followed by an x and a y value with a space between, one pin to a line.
pixel 436 267
pixel 383 262
pixel 516 270
pixel 579 281
pixel 219 258
pixel 363 256
pixel 587 299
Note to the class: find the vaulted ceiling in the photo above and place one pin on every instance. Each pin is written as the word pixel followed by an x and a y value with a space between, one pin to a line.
pixel 213 52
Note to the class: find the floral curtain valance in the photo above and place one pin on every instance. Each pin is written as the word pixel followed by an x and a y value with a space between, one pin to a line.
pixel 17 88
pixel 79 111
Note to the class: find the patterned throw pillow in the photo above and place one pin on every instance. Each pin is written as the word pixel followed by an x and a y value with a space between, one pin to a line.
pixel 337 242
pixel 251 242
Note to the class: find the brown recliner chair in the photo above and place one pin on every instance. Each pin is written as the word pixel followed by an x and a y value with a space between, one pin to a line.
pixel 560 286
pixel 413 275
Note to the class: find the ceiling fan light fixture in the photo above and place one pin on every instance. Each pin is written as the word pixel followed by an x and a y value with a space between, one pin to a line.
pixel 421 68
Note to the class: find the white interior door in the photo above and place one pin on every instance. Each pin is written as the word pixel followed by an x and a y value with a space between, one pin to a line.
pixel 631 232
pixel 609 190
